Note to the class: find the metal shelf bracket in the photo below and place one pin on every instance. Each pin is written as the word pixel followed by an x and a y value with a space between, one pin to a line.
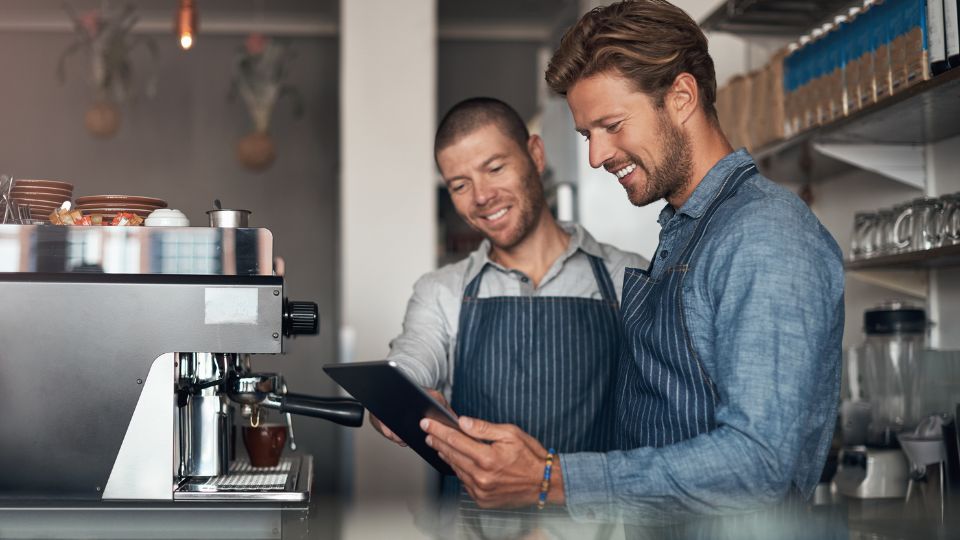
pixel 905 163
pixel 911 282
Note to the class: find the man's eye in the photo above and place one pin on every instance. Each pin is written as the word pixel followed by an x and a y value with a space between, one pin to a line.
pixel 455 188
pixel 614 127
pixel 496 169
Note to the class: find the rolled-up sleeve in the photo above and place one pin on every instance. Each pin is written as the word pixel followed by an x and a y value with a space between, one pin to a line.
pixel 421 349
pixel 775 296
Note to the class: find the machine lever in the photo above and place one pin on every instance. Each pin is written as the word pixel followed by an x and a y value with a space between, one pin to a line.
pixel 344 411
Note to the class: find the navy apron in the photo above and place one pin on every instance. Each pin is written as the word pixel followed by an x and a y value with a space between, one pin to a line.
pixel 664 394
pixel 545 364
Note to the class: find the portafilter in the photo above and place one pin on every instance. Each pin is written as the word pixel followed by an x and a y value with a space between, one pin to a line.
pixel 265 390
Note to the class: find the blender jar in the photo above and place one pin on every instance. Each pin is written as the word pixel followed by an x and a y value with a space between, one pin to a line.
pixel 895 339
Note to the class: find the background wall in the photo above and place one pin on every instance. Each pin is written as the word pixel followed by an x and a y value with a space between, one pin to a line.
pixel 505 70
pixel 179 146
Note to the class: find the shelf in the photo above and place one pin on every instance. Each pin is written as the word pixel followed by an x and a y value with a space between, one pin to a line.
pixel 780 18
pixel 924 113
pixel 941 257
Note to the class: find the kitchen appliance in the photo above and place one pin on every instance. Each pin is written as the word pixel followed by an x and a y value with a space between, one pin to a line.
pixel 872 465
pixel 124 360
pixel 925 450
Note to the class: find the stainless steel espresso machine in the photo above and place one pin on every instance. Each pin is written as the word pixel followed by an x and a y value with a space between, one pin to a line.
pixel 124 358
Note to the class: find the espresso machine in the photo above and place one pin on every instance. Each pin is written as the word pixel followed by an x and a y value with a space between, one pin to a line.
pixel 124 372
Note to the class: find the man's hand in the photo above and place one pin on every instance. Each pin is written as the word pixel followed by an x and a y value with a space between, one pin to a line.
pixel 506 473
pixel 384 430
pixel 389 434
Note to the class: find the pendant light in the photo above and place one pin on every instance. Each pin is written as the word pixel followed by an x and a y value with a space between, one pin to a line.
pixel 186 23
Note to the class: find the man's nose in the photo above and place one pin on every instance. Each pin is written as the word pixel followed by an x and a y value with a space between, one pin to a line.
pixel 483 192
pixel 600 150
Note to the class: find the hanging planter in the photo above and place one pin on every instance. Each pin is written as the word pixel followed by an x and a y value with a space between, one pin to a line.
pixel 106 37
pixel 102 119
pixel 260 81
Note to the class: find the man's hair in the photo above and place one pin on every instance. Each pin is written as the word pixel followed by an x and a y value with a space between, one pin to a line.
pixel 474 113
pixel 649 42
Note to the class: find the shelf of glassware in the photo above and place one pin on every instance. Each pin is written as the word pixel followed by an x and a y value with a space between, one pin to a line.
pixel 926 112
pixel 941 257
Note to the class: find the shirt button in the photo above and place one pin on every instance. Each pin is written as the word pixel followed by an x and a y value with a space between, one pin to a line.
pixel 525 279
pixel 664 253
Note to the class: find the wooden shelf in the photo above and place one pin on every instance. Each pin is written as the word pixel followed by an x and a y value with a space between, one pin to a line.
pixel 924 113
pixel 941 257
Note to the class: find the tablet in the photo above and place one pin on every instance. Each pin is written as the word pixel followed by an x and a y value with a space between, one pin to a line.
pixel 396 401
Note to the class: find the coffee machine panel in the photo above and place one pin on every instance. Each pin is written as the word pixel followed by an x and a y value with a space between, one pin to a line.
pixel 124 360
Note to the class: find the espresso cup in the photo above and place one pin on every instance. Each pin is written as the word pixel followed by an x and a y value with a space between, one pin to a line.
pixel 265 443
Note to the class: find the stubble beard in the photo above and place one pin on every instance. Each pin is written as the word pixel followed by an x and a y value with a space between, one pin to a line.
pixel 672 174
pixel 530 206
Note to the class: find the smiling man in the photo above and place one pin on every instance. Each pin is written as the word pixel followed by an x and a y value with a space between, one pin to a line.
pixel 526 329
pixel 727 390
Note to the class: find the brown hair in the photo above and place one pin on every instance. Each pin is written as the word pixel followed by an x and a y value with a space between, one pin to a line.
pixel 649 42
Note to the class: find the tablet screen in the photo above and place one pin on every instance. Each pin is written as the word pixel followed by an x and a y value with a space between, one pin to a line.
pixel 396 401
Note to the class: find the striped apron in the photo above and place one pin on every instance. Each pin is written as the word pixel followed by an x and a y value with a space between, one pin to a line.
pixel 664 395
pixel 545 364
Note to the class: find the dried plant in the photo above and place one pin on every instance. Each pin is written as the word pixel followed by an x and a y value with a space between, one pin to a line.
pixel 260 79
pixel 107 36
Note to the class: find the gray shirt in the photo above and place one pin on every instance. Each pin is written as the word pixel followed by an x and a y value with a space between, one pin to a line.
pixel 426 349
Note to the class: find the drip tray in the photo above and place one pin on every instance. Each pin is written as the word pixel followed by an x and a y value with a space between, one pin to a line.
pixel 290 480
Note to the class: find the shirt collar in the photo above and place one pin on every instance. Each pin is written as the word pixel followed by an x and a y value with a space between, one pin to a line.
pixel 708 188
pixel 580 240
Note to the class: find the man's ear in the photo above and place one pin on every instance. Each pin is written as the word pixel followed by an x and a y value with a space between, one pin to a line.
pixel 683 100
pixel 537 153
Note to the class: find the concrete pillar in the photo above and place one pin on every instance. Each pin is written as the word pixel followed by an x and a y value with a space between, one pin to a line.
pixel 387 223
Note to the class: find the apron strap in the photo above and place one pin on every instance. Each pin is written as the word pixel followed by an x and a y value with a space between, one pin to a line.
pixel 737 177
pixel 604 282
pixel 473 288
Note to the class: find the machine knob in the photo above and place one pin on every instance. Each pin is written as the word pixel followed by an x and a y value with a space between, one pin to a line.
pixel 300 318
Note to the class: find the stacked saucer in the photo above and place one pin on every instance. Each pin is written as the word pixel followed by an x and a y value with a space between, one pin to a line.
pixel 42 196
pixel 110 205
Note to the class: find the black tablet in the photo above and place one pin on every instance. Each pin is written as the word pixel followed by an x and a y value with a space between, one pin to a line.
pixel 396 401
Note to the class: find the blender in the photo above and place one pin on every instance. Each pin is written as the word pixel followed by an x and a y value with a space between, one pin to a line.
pixel 890 359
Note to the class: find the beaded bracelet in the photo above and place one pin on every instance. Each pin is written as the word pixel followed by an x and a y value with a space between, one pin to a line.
pixel 545 484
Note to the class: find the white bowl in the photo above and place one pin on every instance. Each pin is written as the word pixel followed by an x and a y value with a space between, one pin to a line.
pixel 166 217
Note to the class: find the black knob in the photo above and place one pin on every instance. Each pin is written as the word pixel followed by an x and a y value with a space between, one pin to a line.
pixel 300 318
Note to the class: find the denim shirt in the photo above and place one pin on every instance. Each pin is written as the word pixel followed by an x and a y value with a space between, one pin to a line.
pixel 763 310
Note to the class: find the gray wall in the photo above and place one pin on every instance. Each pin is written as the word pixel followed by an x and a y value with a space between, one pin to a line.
pixel 180 146
pixel 500 69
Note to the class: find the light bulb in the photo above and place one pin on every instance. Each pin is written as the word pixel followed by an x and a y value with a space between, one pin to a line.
pixel 186 23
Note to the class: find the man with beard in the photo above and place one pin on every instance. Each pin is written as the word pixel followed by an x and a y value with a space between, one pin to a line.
pixel 526 329
pixel 728 385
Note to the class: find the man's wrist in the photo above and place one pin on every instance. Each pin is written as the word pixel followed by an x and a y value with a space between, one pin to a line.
pixel 556 494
